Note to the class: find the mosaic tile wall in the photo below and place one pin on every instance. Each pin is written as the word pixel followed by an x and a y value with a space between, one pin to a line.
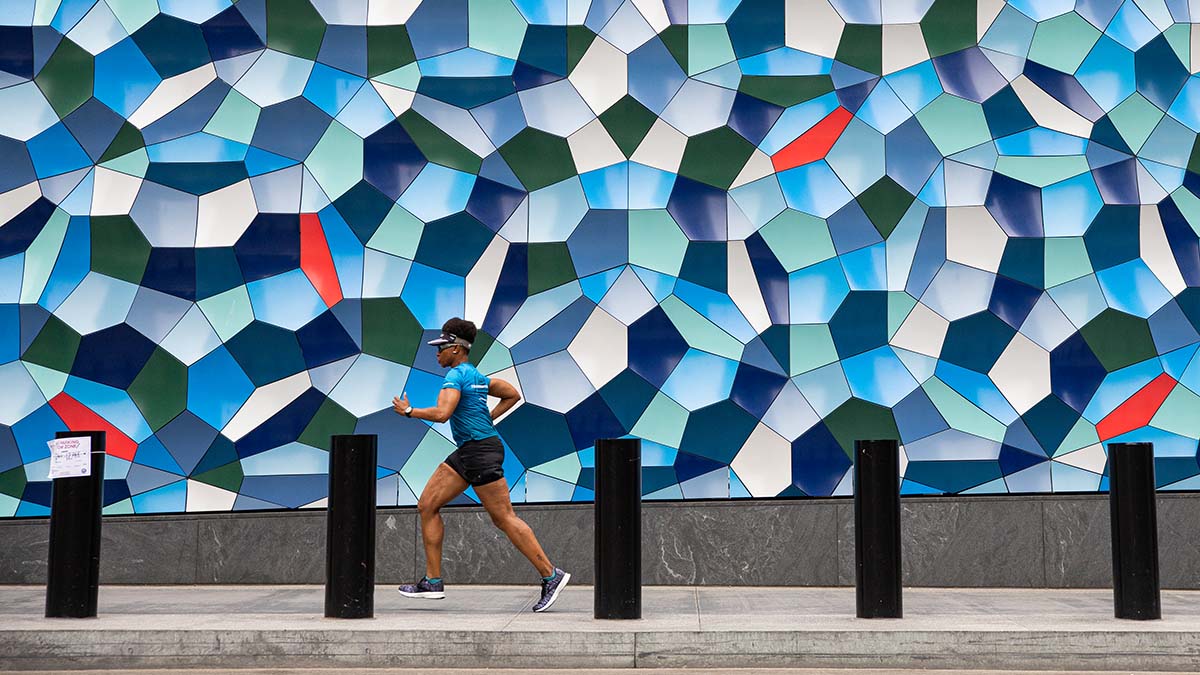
pixel 745 232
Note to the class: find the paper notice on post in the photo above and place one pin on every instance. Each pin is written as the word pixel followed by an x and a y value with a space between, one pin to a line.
pixel 70 457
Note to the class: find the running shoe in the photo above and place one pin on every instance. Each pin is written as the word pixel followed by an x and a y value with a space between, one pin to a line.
pixel 551 589
pixel 424 589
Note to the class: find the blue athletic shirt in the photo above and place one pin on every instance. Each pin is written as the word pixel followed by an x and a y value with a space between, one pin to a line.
pixel 471 420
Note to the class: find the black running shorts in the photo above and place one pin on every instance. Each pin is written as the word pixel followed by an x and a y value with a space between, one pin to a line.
pixel 479 462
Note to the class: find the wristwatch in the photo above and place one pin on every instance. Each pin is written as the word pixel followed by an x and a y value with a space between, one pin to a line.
pixel 408 412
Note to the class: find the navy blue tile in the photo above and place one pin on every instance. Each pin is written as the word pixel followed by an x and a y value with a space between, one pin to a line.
pixel 282 428
pixel 113 356
pixel 324 340
pixel 818 461
pixel 172 271
pixel 752 117
pixel 391 160
pixel 699 209
pixel 755 389
pixel 772 278
pixel 591 420
pixel 229 34
pixel 270 246
pixel 19 232
pixel 655 346
pixel 1075 372
pixel 493 203
pixel 1015 205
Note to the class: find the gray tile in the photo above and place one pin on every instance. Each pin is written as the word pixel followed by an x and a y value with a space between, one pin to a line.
pixel 972 542
pixel 1179 541
pixel 1078 542
pixel 789 543
pixel 23 553
pixel 845 524
pixel 148 551
pixel 395 546
pixel 287 548
pixel 475 551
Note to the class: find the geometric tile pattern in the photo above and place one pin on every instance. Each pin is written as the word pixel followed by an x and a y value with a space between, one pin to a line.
pixel 745 232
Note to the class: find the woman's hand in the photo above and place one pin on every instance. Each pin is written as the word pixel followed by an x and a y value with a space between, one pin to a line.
pixel 400 403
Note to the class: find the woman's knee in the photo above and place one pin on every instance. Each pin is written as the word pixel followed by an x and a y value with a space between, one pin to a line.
pixel 427 508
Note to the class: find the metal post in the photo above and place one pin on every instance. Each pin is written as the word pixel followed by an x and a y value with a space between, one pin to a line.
pixel 1134 531
pixel 73 579
pixel 877 529
pixel 618 589
pixel 350 528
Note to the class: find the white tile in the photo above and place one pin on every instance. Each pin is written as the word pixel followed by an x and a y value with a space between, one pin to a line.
pixel 205 497
pixel 592 148
pixel 662 148
pixel 1092 458
pixel 1022 373
pixel 481 280
pixel 1048 111
pixel 744 289
pixel 813 26
pixel 17 200
pixel 1156 251
pixel 172 93
pixel 765 463
pixel 390 13
pixel 114 192
pixel 223 215
pixel 601 76
pixel 903 46
pixel 398 100
pixel 264 403
pixel 973 237
pixel 985 14
pixel 601 348
pixel 923 332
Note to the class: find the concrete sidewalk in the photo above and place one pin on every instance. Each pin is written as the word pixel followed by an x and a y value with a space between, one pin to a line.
pixel 683 627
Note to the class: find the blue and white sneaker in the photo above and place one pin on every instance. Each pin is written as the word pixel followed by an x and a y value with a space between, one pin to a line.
pixel 551 589
pixel 424 589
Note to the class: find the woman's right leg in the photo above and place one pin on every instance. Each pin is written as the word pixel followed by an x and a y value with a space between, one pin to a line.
pixel 444 485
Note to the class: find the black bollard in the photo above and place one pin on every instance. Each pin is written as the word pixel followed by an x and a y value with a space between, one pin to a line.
pixel 73 579
pixel 877 529
pixel 618 589
pixel 350 528
pixel 1134 531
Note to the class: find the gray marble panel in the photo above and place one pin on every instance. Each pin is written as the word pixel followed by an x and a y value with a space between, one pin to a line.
pixel 24 545
pixel 1078 542
pixel 793 543
pixel 395 546
pixel 972 542
pixel 475 551
pixel 1179 541
pixel 845 524
pixel 286 548
pixel 148 551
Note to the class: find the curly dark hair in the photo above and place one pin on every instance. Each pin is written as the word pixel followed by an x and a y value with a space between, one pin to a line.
pixel 461 328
